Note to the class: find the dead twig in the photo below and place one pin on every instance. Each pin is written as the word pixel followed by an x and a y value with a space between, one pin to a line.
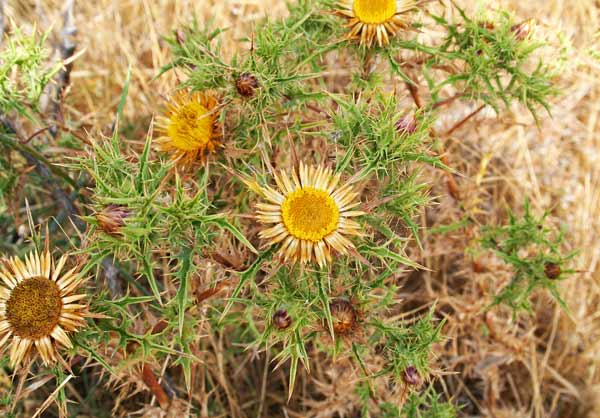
pixel 154 386
pixel 66 49
pixel 464 120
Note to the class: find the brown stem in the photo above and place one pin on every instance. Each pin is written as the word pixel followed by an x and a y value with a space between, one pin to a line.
pixel 314 108
pixel 464 120
pixel 202 296
pixel 154 386
pixel 33 135
pixel 447 101
pixel 414 92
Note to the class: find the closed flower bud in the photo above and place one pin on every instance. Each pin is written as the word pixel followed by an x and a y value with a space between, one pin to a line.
pixel 344 316
pixel 246 84
pixel 180 37
pixel 552 270
pixel 406 125
pixel 281 319
pixel 112 218
pixel 411 376
pixel 523 30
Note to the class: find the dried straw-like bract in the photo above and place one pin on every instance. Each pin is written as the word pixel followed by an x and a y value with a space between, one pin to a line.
pixel 190 129
pixel 311 214
pixel 370 20
pixel 38 306
pixel 344 316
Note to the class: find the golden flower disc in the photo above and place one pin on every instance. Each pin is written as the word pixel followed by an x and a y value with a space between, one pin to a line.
pixel 39 306
pixel 190 127
pixel 310 214
pixel 374 11
pixel 34 308
pixel 375 21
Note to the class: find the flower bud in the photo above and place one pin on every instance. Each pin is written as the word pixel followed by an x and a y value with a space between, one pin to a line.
pixel 281 319
pixel 523 29
pixel 411 376
pixel 552 270
pixel 112 218
pixel 246 84
pixel 180 37
pixel 344 316
pixel 406 125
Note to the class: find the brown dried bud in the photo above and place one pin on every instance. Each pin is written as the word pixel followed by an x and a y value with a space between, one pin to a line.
pixel 406 125
pixel 112 218
pixel 552 270
pixel 479 267
pixel 281 319
pixel 246 84
pixel 344 316
pixel 487 25
pixel 523 29
pixel 411 376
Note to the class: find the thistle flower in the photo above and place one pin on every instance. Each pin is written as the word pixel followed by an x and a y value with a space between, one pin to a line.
pixel 190 129
pixel 38 306
pixel 370 20
pixel 311 214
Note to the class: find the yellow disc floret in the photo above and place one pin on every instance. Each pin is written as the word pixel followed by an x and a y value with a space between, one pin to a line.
pixel 374 11
pixel 310 214
pixel 190 127
pixel 375 21
pixel 34 308
pixel 39 307
pixel 189 130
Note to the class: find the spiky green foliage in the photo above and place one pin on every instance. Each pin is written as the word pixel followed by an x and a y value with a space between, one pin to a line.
pixel 426 405
pixel 24 72
pixel 484 58
pixel 533 250
pixel 493 62
pixel 361 139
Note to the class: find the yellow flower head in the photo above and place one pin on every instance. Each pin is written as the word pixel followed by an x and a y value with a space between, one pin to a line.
pixel 190 129
pixel 38 306
pixel 370 20
pixel 311 214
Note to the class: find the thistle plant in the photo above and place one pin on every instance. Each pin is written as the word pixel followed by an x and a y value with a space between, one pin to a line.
pixel 25 71
pixel 533 250
pixel 273 208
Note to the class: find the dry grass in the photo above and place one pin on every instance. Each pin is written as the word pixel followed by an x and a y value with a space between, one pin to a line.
pixel 546 366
